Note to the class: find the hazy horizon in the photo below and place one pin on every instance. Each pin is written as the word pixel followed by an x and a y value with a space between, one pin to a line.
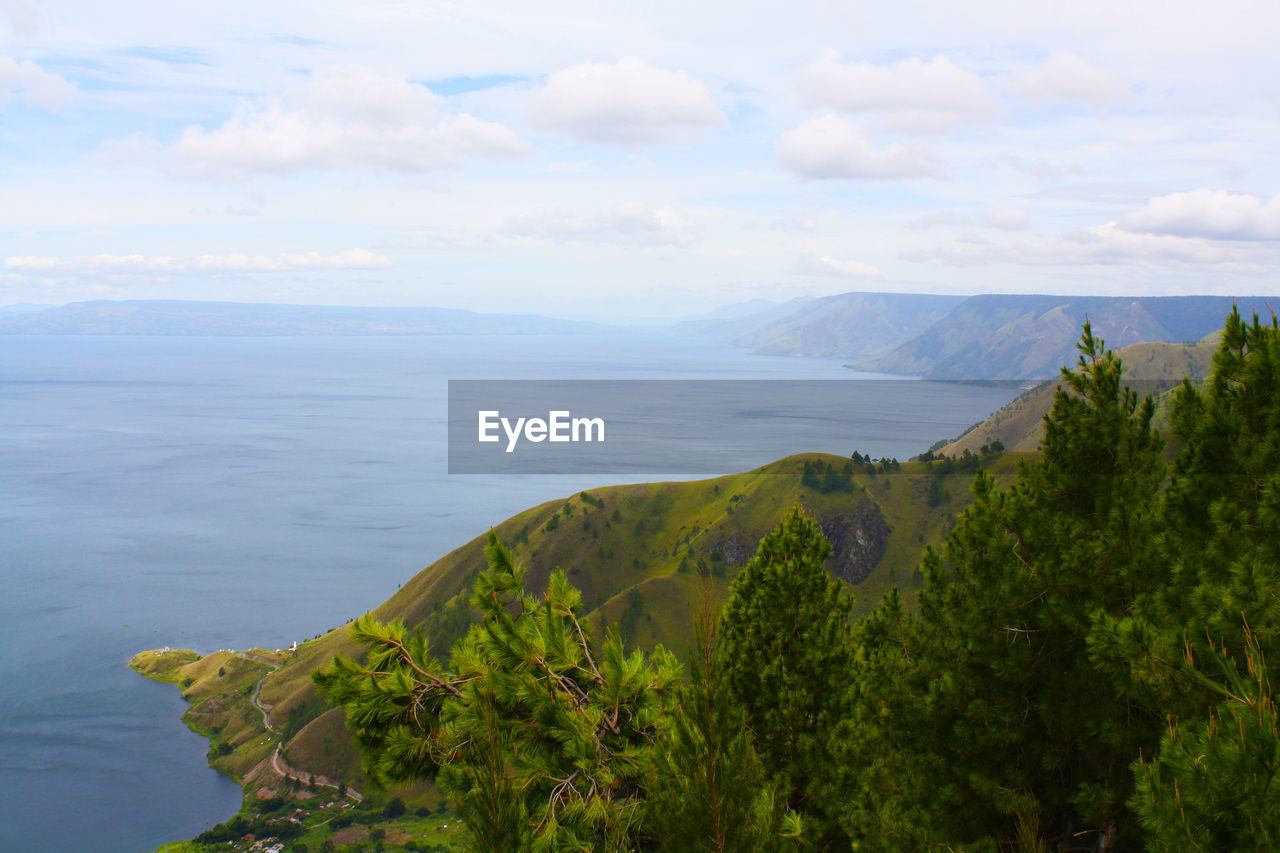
pixel 621 318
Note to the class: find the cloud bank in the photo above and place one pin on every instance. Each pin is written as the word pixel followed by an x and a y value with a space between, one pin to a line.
pixel 33 85
pixel 235 262
pixel 624 103
pixel 344 117
pixel 910 95
pixel 833 147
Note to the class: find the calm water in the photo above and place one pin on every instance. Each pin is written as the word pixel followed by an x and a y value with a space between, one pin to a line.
pixel 225 493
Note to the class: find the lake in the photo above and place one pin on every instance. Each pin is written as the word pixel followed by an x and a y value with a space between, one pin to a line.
pixel 215 493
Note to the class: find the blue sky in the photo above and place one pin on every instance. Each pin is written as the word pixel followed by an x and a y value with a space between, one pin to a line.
pixel 650 159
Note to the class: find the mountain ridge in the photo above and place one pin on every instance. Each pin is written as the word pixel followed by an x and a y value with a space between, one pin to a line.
pixel 1022 337
pixel 248 319
pixel 849 325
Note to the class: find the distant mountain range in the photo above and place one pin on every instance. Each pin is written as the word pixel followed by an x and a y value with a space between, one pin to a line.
pixel 1018 337
pixel 730 322
pixel 1031 337
pixel 176 317
pixel 849 325
pixel 1015 337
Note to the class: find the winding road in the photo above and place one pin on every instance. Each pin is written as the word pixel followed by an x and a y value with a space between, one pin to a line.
pixel 277 762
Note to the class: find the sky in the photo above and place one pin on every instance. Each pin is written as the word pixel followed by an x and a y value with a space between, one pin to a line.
pixel 635 159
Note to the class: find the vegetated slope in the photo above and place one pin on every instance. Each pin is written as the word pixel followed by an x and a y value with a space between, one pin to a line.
pixel 1153 367
pixel 1031 337
pixel 850 325
pixel 179 317
pixel 644 557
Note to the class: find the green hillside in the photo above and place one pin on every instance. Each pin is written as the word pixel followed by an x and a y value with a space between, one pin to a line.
pixel 1155 366
pixel 644 557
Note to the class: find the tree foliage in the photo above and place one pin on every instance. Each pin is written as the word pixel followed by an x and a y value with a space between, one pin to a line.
pixel 1213 784
pixel 1203 645
pixel 785 652
pixel 1088 666
pixel 710 790
pixel 981 721
pixel 541 740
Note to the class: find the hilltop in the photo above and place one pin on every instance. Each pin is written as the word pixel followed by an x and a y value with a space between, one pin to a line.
pixel 1153 367
pixel 644 557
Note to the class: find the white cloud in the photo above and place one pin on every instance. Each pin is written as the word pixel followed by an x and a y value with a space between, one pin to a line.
pixel 937 217
pixel 23 16
pixel 834 147
pixel 235 262
pixel 910 95
pixel 36 87
pixel 350 116
pixel 1110 244
pixel 632 223
pixel 135 146
pixel 1103 245
pixel 1208 213
pixel 95 263
pixel 829 266
pixel 349 259
pixel 1066 76
pixel 626 103
pixel 363 96
pixel 1040 168
pixel 1007 219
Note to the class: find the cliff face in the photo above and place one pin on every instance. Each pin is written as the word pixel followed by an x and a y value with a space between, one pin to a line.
pixel 859 537
pixel 858 541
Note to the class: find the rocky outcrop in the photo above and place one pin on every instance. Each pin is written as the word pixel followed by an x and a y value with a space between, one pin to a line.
pixel 858 540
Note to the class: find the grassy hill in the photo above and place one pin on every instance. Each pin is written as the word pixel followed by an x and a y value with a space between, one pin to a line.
pixel 644 556
pixel 1153 366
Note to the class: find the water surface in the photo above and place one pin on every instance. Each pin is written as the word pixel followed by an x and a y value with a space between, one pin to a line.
pixel 215 493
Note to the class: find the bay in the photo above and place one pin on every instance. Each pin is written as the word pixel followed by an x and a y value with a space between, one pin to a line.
pixel 215 493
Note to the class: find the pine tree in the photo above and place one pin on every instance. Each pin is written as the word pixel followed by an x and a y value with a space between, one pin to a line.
pixel 1203 646
pixel 989 696
pixel 785 652
pixel 710 791
pixel 541 740
pixel 1222 514
pixel 1215 783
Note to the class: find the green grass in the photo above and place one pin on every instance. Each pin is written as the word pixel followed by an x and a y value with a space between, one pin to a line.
pixel 655 553
pixel 1020 424
pixel 441 830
